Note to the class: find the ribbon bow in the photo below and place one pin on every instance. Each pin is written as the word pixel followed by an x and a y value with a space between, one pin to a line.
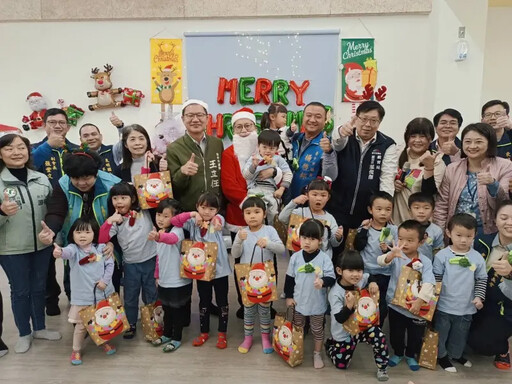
pixel 90 258
pixel 327 180
pixel 132 215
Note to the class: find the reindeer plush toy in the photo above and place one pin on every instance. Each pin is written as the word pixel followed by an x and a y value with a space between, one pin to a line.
pixel 104 92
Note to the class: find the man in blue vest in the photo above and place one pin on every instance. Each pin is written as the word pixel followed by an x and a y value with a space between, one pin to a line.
pixel 310 158
pixel 90 134
pixel 367 163
pixel 495 113
pixel 447 123
pixel 47 158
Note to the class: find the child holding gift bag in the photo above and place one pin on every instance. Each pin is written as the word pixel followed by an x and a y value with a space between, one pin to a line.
pixel 131 226
pixel 310 273
pixel 173 291
pixel 411 235
pixel 251 240
pixel 90 270
pixel 341 346
pixel 312 205
pixel 463 274
pixel 206 225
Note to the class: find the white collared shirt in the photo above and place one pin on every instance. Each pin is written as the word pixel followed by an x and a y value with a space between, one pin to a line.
pixel 202 143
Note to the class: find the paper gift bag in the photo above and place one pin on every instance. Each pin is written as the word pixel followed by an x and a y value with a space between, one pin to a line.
pixel 428 353
pixel 152 320
pixel 366 314
pixel 293 238
pixel 281 229
pixel 257 281
pixel 351 237
pixel 288 339
pixel 152 188
pixel 105 319
pixel 407 289
pixel 198 260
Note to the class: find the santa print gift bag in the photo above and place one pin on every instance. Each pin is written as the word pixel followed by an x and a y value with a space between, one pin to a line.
pixel 152 320
pixel 257 281
pixel 152 188
pixel 408 287
pixel 198 260
pixel 293 240
pixel 366 314
pixel 428 353
pixel 105 319
pixel 288 339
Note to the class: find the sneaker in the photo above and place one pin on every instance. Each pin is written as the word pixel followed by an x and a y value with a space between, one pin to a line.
pixel 76 358
pixel 382 375
pixel 465 362
pixel 109 349
pixel 130 334
pixel 502 361
pixel 446 364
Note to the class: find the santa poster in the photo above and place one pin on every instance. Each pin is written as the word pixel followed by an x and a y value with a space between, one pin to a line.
pixel 359 69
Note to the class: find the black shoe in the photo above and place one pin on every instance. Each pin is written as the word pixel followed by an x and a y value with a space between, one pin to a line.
pixel 272 313
pixel 130 334
pixel 52 309
pixel 240 313
pixel 214 310
pixel 446 364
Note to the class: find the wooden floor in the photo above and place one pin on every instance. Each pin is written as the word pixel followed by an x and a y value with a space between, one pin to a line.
pixel 139 362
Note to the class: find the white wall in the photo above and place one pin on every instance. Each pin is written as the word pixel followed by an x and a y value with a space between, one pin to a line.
pixel 55 58
pixel 497 82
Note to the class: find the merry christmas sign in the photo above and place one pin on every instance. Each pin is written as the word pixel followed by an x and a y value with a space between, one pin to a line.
pixel 359 69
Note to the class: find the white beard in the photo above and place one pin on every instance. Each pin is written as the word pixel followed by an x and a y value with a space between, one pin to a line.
pixel 37 103
pixel 245 147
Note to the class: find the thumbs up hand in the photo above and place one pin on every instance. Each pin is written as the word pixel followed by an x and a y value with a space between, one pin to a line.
pixel 319 283
pixel 57 251
pixel 9 207
pixel 293 126
pixel 485 177
pixel 153 235
pixel 116 121
pixel 325 143
pixel 46 235
pixel 115 218
pixel 190 168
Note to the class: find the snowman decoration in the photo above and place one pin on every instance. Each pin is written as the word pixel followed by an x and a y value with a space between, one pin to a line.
pixel 155 190
pixel 367 312
pixel 283 339
pixel 257 285
pixel 194 263
pixel 107 323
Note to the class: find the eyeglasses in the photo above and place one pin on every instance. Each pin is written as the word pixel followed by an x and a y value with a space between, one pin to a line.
pixel 54 123
pixel 190 116
pixel 248 127
pixel 489 115
pixel 372 122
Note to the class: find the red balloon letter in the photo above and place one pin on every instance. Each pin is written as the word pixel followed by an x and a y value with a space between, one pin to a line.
pixel 299 91
pixel 227 85
pixel 218 125
pixel 263 88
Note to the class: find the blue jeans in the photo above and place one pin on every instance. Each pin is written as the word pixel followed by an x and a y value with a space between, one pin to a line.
pixel 27 277
pixel 138 276
pixel 453 333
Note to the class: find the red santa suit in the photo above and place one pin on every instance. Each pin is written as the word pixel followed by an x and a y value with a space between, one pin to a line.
pixel 234 188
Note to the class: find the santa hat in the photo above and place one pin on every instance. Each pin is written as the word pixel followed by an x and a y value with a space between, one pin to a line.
pixel 364 293
pixel 167 69
pixel 6 129
pixel 102 304
pixel 34 94
pixel 198 245
pixel 155 176
pixel 243 113
pixel 351 66
pixel 195 101
pixel 258 266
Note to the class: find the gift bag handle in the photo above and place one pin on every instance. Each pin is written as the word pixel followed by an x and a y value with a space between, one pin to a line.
pixel 254 250
pixel 292 308
pixel 94 293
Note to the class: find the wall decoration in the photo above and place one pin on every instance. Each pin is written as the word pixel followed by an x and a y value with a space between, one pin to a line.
pixel 104 90
pixel 38 105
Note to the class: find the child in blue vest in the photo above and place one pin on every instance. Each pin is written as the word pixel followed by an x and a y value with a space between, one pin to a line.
pixel 131 226
pixel 173 291
pixel 422 206
pixel 374 237
pixel 462 271
pixel 312 205
pixel 91 278
pixel 206 225
pixel 310 273
pixel 341 346
pixel 401 321
pixel 254 245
